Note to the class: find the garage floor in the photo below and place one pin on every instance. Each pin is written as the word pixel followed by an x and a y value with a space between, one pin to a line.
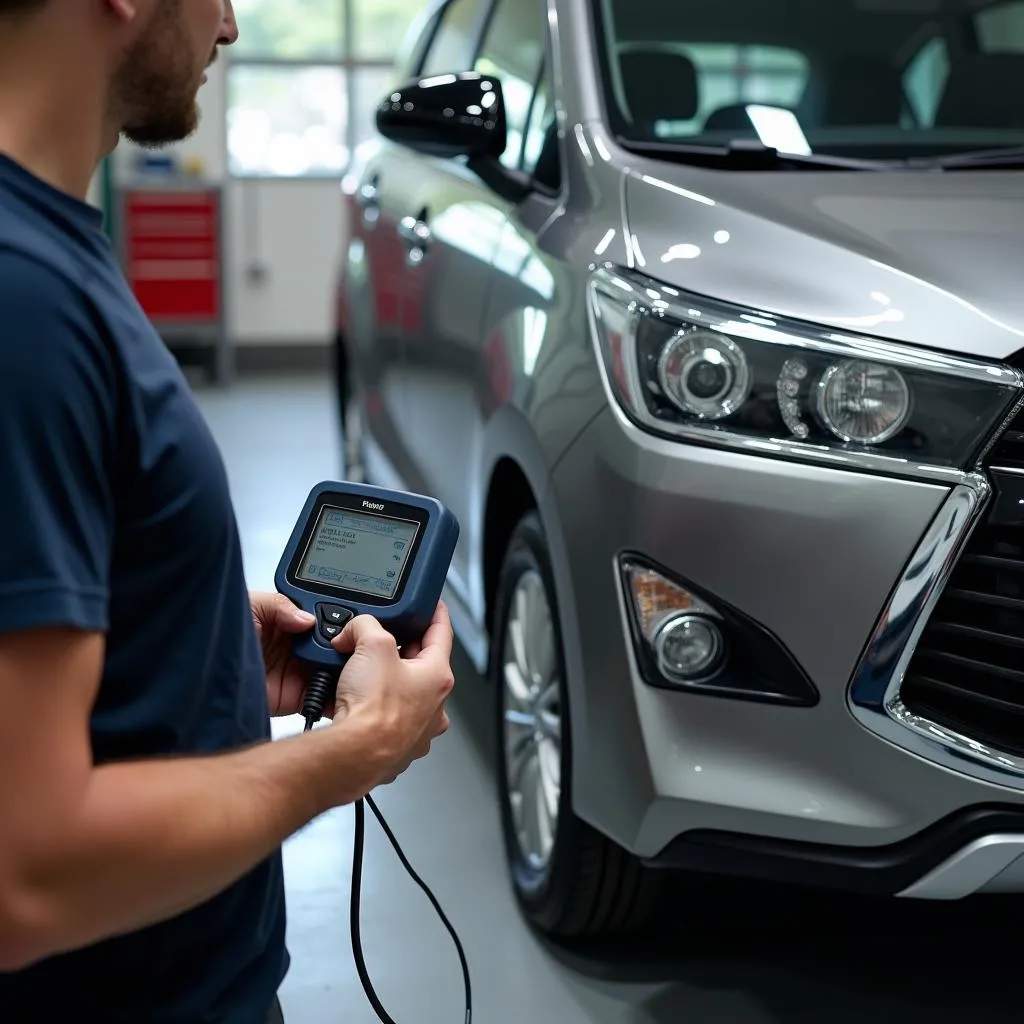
pixel 738 955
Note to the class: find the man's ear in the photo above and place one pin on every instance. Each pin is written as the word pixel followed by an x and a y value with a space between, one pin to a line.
pixel 124 11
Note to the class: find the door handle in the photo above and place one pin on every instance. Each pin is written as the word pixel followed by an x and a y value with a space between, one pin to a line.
pixel 416 233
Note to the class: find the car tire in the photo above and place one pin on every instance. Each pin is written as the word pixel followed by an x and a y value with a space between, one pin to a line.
pixel 350 422
pixel 569 880
pixel 342 380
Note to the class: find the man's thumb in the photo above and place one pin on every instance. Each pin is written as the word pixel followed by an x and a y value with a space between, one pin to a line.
pixel 357 630
pixel 289 614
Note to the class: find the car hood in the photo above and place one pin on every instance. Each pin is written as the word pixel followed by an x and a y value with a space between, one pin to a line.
pixel 927 258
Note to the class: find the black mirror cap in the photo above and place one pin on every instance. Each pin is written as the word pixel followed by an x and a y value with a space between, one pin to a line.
pixel 447 116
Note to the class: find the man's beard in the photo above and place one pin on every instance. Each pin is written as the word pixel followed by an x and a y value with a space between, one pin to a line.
pixel 155 86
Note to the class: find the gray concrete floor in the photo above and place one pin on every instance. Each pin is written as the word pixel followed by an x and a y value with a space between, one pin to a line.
pixel 735 955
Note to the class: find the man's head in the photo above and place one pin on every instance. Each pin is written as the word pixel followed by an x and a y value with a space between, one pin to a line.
pixel 154 53
pixel 155 83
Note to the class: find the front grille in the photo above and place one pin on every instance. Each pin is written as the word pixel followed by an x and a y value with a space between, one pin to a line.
pixel 967 673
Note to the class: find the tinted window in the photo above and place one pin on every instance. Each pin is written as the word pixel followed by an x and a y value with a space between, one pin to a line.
pixel 726 77
pixel 886 78
pixel 454 43
pixel 1001 27
pixel 513 51
pixel 998 29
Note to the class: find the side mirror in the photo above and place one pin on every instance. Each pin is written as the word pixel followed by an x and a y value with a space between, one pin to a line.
pixel 447 116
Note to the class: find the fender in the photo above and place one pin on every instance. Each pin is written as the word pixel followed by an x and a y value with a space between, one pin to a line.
pixel 510 435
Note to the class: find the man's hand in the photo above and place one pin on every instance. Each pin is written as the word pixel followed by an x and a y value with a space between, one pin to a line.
pixel 277 622
pixel 402 692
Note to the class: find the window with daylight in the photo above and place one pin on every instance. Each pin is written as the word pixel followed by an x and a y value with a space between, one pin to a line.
pixel 304 79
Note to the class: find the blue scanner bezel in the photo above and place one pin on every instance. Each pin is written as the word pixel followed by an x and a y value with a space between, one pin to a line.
pixel 406 615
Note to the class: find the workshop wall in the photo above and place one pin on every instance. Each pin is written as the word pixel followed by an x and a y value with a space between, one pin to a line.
pixel 282 236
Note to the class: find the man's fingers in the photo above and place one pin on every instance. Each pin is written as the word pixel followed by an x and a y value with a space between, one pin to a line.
pixel 279 612
pixel 290 618
pixel 363 630
pixel 437 641
pixel 441 615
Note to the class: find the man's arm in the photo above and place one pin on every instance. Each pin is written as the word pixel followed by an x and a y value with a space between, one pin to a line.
pixel 88 852
pixel 85 851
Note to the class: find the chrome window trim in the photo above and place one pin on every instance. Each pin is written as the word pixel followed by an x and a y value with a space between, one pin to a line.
pixel 894 642
pixel 644 295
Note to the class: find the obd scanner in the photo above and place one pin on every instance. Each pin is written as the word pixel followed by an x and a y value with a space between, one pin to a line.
pixel 362 550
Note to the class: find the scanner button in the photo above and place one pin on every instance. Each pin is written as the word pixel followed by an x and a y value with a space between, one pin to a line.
pixel 329 632
pixel 334 615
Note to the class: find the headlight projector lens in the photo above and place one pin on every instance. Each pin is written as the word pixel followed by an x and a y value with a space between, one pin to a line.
pixel 705 374
pixel 864 403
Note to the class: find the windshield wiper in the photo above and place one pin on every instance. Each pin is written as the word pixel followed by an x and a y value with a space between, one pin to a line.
pixel 1006 158
pixel 748 155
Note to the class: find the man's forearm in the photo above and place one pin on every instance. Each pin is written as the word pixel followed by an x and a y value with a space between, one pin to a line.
pixel 154 839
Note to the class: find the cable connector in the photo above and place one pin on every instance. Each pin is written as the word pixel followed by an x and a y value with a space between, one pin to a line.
pixel 322 686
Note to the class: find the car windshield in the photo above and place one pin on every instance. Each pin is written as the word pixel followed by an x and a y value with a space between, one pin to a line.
pixel 866 79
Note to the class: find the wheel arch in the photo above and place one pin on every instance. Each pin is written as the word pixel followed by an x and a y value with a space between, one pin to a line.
pixel 510 496
pixel 518 474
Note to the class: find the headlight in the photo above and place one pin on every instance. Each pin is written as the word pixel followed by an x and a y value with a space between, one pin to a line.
pixel 705 371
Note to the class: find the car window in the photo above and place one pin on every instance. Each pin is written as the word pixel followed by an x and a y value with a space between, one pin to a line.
pixel 728 76
pixel 1000 28
pixel 513 50
pixel 541 156
pixel 861 78
pixel 996 29
pixel 454 43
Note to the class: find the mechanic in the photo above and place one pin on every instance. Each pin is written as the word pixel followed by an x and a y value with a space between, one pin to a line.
pixel 143 806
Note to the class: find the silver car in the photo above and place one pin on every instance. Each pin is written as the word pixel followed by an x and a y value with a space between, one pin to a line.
pixel 705 319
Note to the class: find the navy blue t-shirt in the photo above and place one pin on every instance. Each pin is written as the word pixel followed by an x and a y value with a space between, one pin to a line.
pixel 115 516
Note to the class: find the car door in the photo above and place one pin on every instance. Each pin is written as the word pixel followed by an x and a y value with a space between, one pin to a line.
pixel 456 229
pixel 377 276
pixel 384 292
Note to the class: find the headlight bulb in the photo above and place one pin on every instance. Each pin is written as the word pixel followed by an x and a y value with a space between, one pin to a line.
pixel 704 374
pixel 863 403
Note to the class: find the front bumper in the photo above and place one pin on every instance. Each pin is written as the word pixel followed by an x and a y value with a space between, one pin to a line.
pixel 977 850
pixel 811 553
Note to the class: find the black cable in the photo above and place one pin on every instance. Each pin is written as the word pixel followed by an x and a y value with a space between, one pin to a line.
pixel 323 683
pixel 312 715
pixel 467 987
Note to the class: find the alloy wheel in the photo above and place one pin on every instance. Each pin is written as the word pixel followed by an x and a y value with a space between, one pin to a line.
pixel 533 723
pixel 352 444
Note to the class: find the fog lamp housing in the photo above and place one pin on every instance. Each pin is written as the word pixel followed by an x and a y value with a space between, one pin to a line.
pixel 686 639
pixel 689 648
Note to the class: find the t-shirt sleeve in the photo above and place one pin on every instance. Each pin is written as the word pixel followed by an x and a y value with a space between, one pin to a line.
pixel 57 452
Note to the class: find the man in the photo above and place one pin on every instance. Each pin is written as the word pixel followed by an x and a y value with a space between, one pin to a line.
pixel 142 806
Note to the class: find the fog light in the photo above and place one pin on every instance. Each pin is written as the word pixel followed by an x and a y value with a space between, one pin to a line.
pixel 680 633
pixel 689 648
pixel 687 639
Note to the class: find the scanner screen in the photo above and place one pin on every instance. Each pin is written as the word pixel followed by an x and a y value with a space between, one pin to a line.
pixel 358 551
